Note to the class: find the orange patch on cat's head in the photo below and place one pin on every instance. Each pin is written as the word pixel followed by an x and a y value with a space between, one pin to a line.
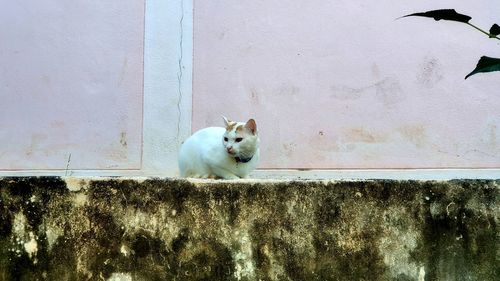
pixel 250 127
pixel 230 126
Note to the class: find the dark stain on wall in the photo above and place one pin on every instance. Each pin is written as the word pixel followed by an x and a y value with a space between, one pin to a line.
pixel 163 229
pixel 460 238
pixel 431 73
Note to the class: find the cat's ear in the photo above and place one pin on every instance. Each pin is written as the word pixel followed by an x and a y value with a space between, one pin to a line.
pixel 252 126
pixel 226 121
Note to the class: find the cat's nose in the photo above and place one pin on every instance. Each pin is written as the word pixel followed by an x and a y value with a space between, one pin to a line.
pixel 230 150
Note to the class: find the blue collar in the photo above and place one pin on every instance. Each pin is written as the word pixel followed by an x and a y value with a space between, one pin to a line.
pixel 243 160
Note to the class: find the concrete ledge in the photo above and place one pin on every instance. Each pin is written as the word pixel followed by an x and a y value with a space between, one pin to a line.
pixel 169 229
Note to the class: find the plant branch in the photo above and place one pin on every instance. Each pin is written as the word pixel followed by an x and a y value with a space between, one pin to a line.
pixel 482 31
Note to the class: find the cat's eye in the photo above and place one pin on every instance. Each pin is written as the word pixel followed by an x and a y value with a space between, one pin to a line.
pixel 225 139
pixel 238 139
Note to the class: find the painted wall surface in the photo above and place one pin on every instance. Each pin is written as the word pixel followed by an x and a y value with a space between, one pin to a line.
pixel 71 84
pixel 343 84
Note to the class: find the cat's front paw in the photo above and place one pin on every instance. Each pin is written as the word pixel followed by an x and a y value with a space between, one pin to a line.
pixel 230 177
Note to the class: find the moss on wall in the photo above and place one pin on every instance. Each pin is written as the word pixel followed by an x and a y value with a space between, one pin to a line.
pixel 163 229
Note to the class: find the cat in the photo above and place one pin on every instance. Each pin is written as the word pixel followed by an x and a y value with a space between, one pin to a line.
pixel 221 153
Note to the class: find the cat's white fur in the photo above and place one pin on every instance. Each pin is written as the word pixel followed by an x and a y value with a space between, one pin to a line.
pixel 215 152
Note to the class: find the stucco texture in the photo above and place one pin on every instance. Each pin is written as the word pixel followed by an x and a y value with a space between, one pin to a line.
pixel 71 84
pixel 166 229
pixel 336 84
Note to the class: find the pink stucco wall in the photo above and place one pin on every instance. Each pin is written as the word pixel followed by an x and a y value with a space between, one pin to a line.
pixel 342 84
pixel 71 83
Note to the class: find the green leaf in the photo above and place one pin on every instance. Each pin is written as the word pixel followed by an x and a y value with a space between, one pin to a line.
pixel 445 14
pixel 494 30
pixel 485 64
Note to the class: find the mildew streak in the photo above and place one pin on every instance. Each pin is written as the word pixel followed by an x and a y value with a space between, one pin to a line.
pixel 157 229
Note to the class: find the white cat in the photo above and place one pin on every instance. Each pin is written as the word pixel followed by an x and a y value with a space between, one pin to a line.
pixel 216 152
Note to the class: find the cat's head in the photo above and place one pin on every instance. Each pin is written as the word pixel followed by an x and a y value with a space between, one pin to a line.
pixel 240 139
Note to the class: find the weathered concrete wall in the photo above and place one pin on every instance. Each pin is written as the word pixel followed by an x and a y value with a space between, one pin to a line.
pixel 78 229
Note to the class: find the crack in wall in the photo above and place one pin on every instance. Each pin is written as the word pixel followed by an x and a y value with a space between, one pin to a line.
pixel 67 165
pixel 180 73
